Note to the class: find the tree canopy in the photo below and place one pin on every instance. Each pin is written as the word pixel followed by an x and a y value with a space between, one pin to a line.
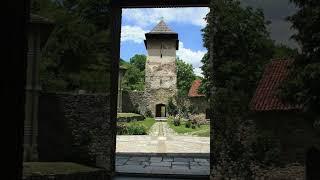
pixel 77 55
pixel 185 77
pixel 239 46
pixel 134 78
pixel 303 85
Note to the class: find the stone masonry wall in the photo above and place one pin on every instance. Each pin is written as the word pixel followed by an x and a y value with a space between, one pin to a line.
pixel 133 102
pixel 76 128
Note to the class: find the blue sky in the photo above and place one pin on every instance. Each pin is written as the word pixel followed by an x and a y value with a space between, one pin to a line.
pixel 188 22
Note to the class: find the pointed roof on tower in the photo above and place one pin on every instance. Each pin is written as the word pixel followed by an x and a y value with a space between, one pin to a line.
pixel 162 28
pixel 162 31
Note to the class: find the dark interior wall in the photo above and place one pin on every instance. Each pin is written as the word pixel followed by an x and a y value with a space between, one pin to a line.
pixel 75 128
pixel 13 70
pixel 295 132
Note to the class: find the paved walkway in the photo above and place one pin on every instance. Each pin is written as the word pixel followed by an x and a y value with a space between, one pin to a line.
pixel 162 152
pixel 162 139
pixel 163 165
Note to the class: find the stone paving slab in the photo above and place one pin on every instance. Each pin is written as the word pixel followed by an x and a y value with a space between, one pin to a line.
pixel 162 144
pixel 162 165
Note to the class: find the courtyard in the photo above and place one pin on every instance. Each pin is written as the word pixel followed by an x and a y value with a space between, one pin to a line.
pixel 162 151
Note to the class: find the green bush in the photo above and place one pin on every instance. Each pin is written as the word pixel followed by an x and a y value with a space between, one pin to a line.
pixel 136 129
pixel 172 108
pixel 132 129
pixel 188 124
pixel 193 126
pixel 176 121
pixel 121 129
pixel 148 114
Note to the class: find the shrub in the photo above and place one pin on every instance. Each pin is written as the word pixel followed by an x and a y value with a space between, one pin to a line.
pixel 148 113
pixel 188 124
pixel 136 129
pixel 198 119
pixel 133 129
pixel 176 121
pixel 121 129
pixel 172 108
pixel 193 126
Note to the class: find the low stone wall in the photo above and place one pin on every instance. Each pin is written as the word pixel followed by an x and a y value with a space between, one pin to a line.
pixel 76 128
pixel 128 117
pixel 96 175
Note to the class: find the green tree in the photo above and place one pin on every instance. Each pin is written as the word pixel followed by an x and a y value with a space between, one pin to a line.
pixel 77 55
pixel 282 51
pixel 185 77
pixel 172 108
pixel 134 78
pixel 139 60
pixel 303 85
pixel 238 46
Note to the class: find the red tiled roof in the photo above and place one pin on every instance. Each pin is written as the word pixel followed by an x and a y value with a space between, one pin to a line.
pixel 193 91
pixel 265 98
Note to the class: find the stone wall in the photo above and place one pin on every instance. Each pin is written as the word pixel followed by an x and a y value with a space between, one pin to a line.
pixel 76 128
pixel 293 130
pixel 133 102
pixel 199 104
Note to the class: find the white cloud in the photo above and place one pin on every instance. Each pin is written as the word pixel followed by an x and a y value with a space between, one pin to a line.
pixel 132 33
pixel 146 17
pixel 191 57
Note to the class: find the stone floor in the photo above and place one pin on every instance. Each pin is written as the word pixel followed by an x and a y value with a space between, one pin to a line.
pixel 163 165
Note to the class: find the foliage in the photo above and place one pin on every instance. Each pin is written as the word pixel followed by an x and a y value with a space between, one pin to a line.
pixel 303 85
pixel 148 113
pixel 185 77
pixel 198 119
pixel 284 52
pixel 203 130
pixel 177 121
pixel 188 124
pixel 172 108
pixel 135 127
pixel 77 54
pixel 239 46
pixel 139 61
pixel 134 77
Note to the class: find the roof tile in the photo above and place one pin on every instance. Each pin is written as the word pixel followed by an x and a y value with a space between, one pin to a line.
pixel 265 97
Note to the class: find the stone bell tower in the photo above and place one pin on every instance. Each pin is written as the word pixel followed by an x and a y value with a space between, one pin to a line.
pixel 160 71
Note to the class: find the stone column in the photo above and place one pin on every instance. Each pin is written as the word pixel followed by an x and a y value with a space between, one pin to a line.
pixel 32 95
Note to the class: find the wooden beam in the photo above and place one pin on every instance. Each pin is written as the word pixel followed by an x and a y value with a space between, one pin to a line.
pixel 163 3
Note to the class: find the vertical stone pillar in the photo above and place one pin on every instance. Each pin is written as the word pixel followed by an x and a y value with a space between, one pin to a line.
pixel 38 32
pixel 122 71
pixel 32 96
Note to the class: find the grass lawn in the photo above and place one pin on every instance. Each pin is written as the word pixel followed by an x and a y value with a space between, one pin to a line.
pixel 47 168
pixel 203 130
pixel 147 123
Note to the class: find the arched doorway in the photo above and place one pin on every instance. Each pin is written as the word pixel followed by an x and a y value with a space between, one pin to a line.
pixel 161 110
